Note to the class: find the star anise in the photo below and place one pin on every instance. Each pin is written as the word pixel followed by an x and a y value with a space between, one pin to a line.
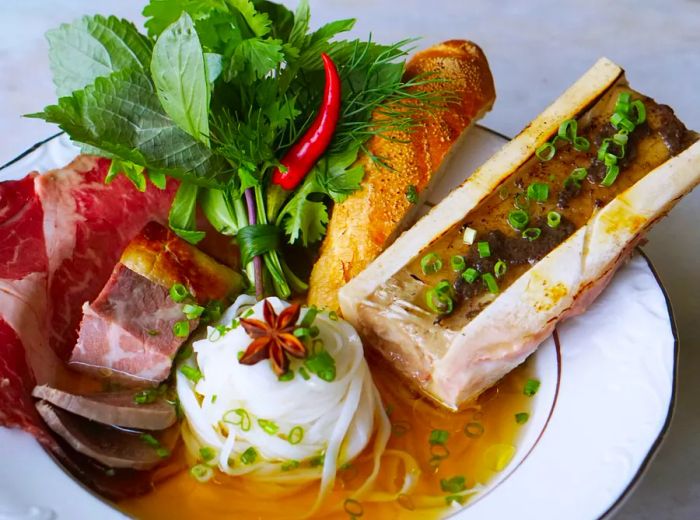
pixel 273 338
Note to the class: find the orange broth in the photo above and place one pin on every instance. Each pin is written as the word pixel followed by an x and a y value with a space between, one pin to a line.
pixel 482 440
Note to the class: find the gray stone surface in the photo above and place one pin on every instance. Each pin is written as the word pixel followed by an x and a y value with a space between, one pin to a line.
pixel 536 49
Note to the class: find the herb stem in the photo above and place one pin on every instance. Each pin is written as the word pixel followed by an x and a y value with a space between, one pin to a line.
pixel 257 261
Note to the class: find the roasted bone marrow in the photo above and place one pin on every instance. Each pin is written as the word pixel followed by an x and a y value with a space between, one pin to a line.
pixel 530 238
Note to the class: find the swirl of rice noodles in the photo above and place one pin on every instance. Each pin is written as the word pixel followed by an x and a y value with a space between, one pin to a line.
pixel 337 418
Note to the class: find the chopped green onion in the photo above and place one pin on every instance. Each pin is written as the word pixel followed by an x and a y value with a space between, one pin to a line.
pixel 412 194
pixel 531 387
pixel 621 122
pixel 179 292
pixel 521 201
pixel 212 312
pixel 567 130
pixel 431 263
pixel 641 110
pixel 458 264
pixel 459 499
pixel 318 460
pixel 500 268
pixel 241 419
pixel 439 299
pixel 438 436
pixel 503 193
pixel 309 317
pixel 191 311
pixel 296 435
pixel 577 175
pixel 538 191
pixel 353 508
pixel 150 440
pixel 207 453
pixel 304 374
pixel 191 373
pixel 581 144
pixel 610 176
pixel 470 275
pixel 301 332
pixel 201 473
pixel 400 428
pixel 522 417
pixel 518 219
pixel 439 451
pixel 484 249
pixel 240 355
pixel 455 484
pixel 290 465
pixel 546 152
pixel 181 329
pixel 622 105
pixel 490 283
pixel 553 219
pixel 213 398
pixel 287 376
pixel 532 233
pixel 333 316
pixel 322 364
pixel 249 456
pixel 268 427
pixel 314 331
pixel 248 313
pixel 473 429
pixel 620 138
pixel 146 396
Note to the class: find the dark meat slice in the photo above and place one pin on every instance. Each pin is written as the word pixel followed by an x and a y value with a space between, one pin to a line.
pixel 113 447
pixel 127 332
pixel 113 408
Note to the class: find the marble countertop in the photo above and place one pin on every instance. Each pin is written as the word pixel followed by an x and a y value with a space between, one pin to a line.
pixel 535 49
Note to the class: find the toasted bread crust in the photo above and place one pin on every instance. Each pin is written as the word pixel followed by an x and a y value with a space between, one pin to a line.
pixel 365 223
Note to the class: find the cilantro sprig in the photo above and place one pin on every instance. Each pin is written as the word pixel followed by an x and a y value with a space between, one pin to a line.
pixel 213 96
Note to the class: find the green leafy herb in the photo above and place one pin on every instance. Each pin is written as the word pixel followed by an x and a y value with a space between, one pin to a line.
pixel 522 417
pixel 191 373
pixel 531 387
pixel 322 364
pixel 455 484
pixel 249 456
pixel 438 437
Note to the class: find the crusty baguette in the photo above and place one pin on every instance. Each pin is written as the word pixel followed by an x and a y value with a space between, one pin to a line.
pixel 563 283
pixel 363 225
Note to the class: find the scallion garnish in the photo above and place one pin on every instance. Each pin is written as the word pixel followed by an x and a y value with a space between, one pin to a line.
pixel 611 175
pixel 146 396
pixel 484 249
pixel 412 194
pixel 500 268
pixel 150 440
pixel 438 437
pixel 621 122
pixel 333 316
pixel 451 499
pixel 546 151
pixel 473 429
pixel 201 473
pixel 192 311
pixel 249 456
pixel 179 292
pixel 191 373
pixel 522 417
pixel 455 484
pixel 238 417
pixel 521 201
pixel 439 298
pixel 490 283
pixel 309 317
pixel 181 329
pixel 296 435
pixel 622 105
pixel 207 453
pixel 532 233
pixel 538 191
pixel 290 465
pixel 553 219
pixel 576 177
pixel 287 376
pixel 268 427
pixel 353 508
pixel 470 275
pixel 469 236
pixel 531 387
pixel 641 111
pixel 518 219
pixel 322 364
pixel 457 263
pixel 431 263
pixel 304 374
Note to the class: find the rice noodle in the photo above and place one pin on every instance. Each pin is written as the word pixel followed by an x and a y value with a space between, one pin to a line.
pixel 338 417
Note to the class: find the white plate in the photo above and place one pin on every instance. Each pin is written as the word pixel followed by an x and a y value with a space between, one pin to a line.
pixel 604 405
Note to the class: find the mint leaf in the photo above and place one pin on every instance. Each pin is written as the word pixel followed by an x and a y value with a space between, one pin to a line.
pixel 92 47
pixel 121 116
pixel 252 59
pixel 180 78
pixel 259 23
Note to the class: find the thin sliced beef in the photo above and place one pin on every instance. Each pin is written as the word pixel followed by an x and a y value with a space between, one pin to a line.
pixel 127 332
pixel 87 224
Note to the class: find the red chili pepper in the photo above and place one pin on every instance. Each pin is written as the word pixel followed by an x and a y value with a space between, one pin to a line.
pixel 302 156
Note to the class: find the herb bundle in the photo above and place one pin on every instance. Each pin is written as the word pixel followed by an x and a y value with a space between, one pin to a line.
pixel 214 95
